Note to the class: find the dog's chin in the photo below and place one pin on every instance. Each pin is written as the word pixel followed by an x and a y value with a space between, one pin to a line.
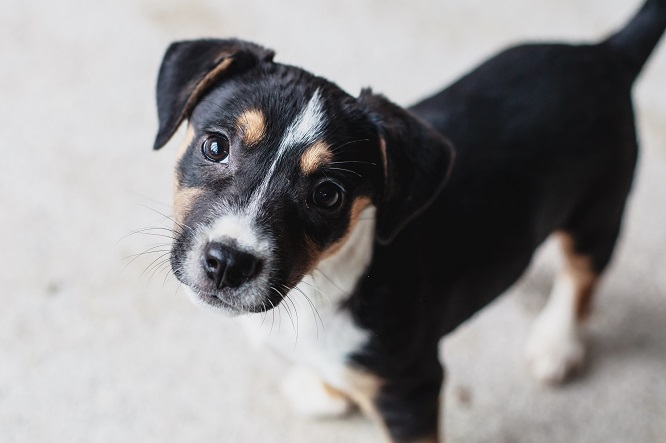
pixel 212 302
pixel 217 303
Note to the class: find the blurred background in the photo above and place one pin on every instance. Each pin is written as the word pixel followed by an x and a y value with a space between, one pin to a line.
pixel 92 350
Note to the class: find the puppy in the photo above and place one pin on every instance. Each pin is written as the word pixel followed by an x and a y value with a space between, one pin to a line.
pixel 290 191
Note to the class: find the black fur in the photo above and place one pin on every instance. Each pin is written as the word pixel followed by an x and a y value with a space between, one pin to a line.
pixel 544 140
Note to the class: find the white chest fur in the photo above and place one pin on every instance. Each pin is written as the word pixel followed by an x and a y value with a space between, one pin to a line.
pixel 316 332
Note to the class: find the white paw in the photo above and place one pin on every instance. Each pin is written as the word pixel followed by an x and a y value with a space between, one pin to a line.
pixel 310 397
pixel 551 357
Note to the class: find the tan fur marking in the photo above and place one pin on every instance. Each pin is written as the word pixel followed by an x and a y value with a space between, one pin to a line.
pixel 316 156
pixel 357 207
pixel 331 391
pixel 189 136
pixel 580 269
pixel 252 125
pixel 182 202
pixel 315 255
pixel 207 81
pixel 363 389
pixel 382 148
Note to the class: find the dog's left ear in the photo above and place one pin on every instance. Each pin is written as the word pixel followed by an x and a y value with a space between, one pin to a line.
pixel 188 70
pixel 416 159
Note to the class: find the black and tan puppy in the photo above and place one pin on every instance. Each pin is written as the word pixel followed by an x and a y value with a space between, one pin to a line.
pixel 397 225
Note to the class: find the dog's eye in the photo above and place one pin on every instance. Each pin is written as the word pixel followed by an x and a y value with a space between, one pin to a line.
pixel 216 148
pixel 327 195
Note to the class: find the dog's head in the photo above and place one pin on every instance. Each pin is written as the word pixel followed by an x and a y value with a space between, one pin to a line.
pixel 277 167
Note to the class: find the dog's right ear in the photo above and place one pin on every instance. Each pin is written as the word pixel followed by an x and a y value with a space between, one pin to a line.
pixel 188 70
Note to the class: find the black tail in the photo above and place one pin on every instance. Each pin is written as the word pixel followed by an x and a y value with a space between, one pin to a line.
pixel 634 43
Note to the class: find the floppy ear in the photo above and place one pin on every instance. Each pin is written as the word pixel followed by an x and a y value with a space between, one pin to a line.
pixel 189 68
pixel 417 160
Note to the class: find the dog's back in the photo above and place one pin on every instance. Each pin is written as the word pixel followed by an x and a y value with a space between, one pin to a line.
pixel 545 139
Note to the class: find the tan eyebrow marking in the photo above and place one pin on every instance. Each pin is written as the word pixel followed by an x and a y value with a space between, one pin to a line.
pixel 252 124
pixel 315 156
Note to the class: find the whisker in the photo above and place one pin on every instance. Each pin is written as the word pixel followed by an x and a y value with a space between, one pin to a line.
pixel 296 315
pixel 317 289
pixel 345 170
pixel 139 255
pixel 166 216
pixel 149 267
pixel 353 161
pixel 178 283
pixel 315 312
pixel 162 267
pixel 286 308
pixel 149 251
pixel 349 143
pixel 288 311
pixel 152 234
pixel 277 308
pixel 330 280
pixel 143 230
pixel 264 313
pixel 301 291
pixel 157 267
pixel 291 318
pixel 168 274
pixel 272 322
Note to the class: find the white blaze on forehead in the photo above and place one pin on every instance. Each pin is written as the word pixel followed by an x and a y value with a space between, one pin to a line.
pixel 305 129
pixel 307 126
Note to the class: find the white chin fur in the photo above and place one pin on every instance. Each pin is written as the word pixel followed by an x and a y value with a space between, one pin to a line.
pixel 197 300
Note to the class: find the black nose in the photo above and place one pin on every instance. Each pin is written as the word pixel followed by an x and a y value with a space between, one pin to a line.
pixel 227 266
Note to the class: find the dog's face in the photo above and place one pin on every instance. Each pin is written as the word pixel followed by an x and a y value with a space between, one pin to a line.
pixel 277 167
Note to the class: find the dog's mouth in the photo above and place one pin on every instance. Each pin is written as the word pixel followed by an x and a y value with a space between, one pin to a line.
pixel 218 301
pixel 247 299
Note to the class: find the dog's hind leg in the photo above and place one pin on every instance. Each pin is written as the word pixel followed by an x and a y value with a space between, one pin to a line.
pixel 555 347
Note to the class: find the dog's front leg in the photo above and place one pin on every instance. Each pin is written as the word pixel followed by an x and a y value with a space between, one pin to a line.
pixel 405 403
pixel 409 406
pixel 310 396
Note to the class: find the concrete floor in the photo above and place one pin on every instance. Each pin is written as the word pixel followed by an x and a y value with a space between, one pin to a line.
pixel 91 351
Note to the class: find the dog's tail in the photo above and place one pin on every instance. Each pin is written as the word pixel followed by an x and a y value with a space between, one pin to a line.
pixel 635 42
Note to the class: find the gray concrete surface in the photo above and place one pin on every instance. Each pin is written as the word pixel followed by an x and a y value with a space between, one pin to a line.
pixel 92 352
